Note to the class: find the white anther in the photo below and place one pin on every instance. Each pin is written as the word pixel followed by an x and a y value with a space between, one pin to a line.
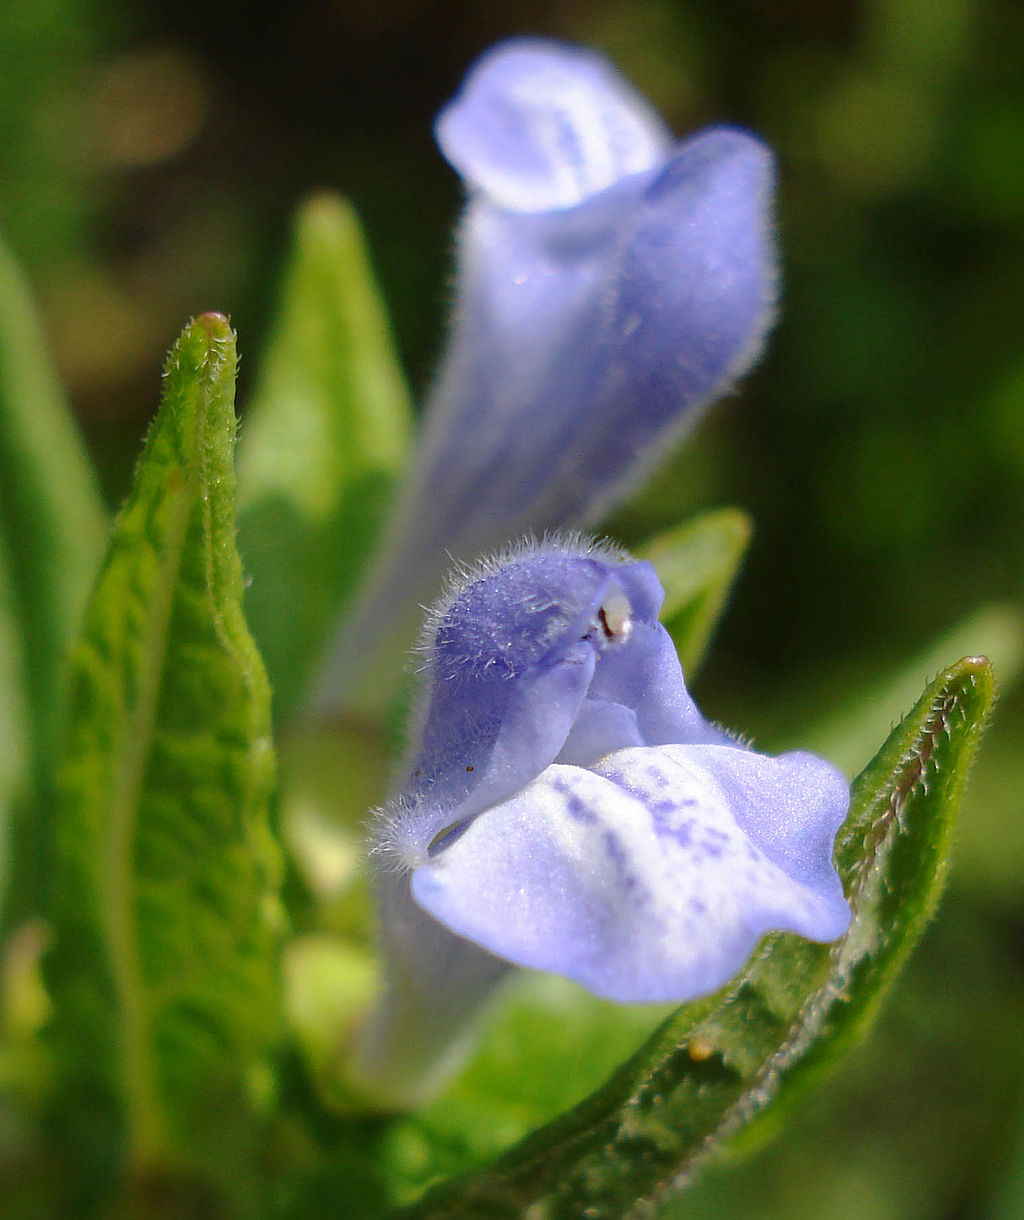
pixel 616 617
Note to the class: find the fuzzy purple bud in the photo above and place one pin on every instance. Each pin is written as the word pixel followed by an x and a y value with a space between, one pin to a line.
pixel 610 285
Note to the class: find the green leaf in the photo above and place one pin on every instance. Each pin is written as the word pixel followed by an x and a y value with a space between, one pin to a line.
pixel 322 444
pixel 733 1064
pixel 52 525
pixel 165 912
pixel 697 563
pixel 13 734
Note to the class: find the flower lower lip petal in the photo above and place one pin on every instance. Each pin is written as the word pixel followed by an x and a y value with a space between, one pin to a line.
pixel 640 900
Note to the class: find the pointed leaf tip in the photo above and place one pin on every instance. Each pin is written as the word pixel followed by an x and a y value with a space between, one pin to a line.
pixel 215 328
pixel 903 803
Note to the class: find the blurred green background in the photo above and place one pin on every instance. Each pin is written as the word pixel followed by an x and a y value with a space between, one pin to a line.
pixel 151 156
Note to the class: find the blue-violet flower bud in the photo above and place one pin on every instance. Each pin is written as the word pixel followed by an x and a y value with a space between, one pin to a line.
pixel 566 807
pixel 610 284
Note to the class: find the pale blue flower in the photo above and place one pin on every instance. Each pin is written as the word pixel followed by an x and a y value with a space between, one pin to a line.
pixel 566 807
pixel 610 284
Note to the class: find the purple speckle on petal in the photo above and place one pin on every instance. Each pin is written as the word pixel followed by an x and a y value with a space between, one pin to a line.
pixel 576 807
